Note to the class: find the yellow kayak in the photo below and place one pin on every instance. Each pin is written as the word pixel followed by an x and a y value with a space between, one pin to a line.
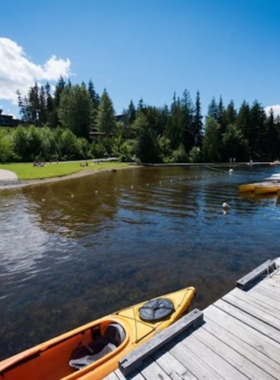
pixel 266 189
pixel 247 187
pixel 92 351
pixel 252 186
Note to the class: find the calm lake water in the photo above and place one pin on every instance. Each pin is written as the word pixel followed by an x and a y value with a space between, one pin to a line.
pixel 76 250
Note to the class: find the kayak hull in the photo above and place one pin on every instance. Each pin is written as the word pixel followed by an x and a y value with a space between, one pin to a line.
pixel 260 187
pixel 50 360
pixel 266 189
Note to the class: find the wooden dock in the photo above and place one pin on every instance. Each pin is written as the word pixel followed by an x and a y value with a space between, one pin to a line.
pixel 238 337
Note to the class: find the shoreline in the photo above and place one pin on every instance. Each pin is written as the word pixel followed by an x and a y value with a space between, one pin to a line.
pixel 7 185
pixel 17 184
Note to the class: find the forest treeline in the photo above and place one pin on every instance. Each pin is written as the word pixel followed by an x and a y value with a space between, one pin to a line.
pixel 57 125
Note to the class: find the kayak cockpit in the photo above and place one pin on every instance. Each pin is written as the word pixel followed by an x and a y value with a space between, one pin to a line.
pixel 67 354
pixel 100 346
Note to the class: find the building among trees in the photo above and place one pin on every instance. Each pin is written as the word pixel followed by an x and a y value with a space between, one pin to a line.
pixel 8 120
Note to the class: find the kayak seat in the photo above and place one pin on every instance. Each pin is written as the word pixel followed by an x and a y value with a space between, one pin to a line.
pixel 83 356
pixel 115 334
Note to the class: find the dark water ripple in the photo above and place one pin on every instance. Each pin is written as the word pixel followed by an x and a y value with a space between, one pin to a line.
pixel 79 249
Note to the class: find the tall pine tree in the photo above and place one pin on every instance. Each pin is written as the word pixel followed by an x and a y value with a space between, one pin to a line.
pixel 197 126
pixel 106 121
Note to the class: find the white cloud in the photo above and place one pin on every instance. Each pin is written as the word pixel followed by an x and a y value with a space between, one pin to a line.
pixel 275 109
pixel 17 72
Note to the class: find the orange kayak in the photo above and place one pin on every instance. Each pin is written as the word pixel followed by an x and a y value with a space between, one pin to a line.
pixel 92 351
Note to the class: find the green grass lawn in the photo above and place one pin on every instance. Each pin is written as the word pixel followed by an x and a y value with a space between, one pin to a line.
pixel 27 171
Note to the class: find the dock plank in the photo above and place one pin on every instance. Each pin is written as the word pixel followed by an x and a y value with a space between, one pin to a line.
pixel 245 321
pixel 270 295
pixel 253 337
pixel 254 307
pixel 113 376
pixel 270 285
pixel 212 359
pixel 152 370
pixel 233 357
pixel 171 365
pixel 192 362
pixel 275 281
pixel 117 375
pixel 241 346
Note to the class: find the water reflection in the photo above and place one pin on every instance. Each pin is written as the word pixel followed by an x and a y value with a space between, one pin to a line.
pixel 76 250
pixel 16 224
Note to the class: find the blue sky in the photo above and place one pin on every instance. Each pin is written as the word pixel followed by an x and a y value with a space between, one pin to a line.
pixel 145 49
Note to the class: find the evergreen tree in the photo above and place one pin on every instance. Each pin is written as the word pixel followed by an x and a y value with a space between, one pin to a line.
pixel 147 148
pixel 95 101
pixel 272 138
pixel 93 95
pixel 197 126
pixel 257 129
pixel 213 110
pixel 75 111
pixel 164 118
pixel 60 86
pixel 243 119
pixel 42 116
pixel 186 122
pixel 222 118
pixel 49 104
pixel 131 113
pixel 212 141
pixel 24 107
pixel 226 118
pixel 140 106
pixel 106 121
pixel 220 110
pixel 173 130
pixel 230 113
pixel 34 104
pixel 153 116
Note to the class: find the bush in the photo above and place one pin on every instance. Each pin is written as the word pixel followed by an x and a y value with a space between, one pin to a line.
pixel 195 155
pixel 180 155
pixel 98 150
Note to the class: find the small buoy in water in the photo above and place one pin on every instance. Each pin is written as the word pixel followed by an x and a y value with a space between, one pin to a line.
pixel 72 195
pixel 43 200
pixel 96 192
pixel 226 206
pixel 230 170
